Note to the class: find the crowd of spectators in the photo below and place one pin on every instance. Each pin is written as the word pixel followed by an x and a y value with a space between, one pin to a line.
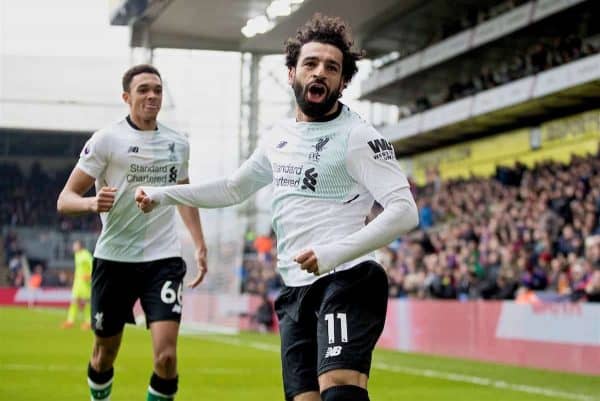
pixel 524 234
pixel 24 271
pixel 258 271
pixel 502 238
pixel 547 53
pixel 29 199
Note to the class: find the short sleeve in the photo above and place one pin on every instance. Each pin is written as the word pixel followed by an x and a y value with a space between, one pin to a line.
pixel 371 161
pixel 185 163
pixel 94 156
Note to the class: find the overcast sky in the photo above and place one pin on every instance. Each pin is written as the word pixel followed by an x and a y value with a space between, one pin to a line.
pixel 60 27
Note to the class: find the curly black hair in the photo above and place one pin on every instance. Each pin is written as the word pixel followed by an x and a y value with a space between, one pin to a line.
pixel 329 30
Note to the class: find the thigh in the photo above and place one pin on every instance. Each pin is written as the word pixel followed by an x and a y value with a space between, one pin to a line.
pixel 162 290
pixel 164 336
pixel 105 351
pixel 351 318
pixel 113 296
pixel 298 349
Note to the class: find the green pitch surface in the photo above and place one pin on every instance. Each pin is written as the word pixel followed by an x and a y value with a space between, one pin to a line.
pixel 40 361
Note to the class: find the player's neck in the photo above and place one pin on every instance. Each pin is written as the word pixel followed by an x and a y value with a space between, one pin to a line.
pixel 330 115
pixel 140 124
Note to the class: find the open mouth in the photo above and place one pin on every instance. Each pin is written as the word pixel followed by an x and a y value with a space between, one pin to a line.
pixel 316 92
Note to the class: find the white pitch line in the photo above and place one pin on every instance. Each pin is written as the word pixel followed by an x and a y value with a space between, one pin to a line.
pixel 437 374
pixel 484 381
pixel 44 368
pixel 72 368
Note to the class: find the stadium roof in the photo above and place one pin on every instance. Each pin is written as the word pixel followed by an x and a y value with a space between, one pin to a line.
pixel 380 26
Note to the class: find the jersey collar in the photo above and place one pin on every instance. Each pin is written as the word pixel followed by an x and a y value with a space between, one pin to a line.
pixel 134 126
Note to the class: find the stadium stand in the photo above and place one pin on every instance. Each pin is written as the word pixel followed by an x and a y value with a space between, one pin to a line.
pixel 35 164
pixel 495 238
pixel 549 53
pixel 503 216
pixel 506 188
pixel 29 199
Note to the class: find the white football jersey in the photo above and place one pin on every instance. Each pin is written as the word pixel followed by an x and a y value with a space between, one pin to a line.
pixel 123 157
pixel 326 176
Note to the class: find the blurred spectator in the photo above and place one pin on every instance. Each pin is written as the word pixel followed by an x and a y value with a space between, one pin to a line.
pixel 592 289
pixel 34 285
pixel 263 244
pixel 425 215
pixel 30 200
pixel 264 315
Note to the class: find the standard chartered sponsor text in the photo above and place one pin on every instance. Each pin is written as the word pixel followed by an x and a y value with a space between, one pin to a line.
pixel 287 175
pixel 287 168
pixel 148 174
pixel 287 182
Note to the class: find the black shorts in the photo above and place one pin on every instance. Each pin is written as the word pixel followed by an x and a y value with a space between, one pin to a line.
pixel 332 324
pixel 116 286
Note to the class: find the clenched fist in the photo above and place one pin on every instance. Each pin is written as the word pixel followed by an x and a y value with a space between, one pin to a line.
pixel 308 261
pixel 143 201
pixel 104 200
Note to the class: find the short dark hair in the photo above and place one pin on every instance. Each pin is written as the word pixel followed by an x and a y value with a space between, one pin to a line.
pixel 135 70
pixel 329 30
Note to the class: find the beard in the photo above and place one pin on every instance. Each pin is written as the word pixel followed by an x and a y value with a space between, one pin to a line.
pixel 312 109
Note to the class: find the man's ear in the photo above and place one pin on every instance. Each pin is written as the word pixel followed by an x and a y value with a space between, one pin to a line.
pixel 291 75
pixel 125 97
pixel 343 85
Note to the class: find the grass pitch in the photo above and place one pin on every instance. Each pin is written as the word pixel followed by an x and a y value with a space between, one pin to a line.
pixel 41 361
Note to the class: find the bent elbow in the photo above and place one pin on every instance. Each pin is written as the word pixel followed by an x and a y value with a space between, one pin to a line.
pixel 409 214
pixel 60 207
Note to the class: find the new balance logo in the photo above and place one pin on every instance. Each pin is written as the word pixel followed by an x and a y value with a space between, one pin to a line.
pixel 310 179
pixel 133 149
pixel 333 351
pixel 379 145
pixel 176 308
pixel 281 144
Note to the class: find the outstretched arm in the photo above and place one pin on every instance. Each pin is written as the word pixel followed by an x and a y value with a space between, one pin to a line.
pixel 252 175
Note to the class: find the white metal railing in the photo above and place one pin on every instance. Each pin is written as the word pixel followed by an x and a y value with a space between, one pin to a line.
pixel 516 92
pixel 455 45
